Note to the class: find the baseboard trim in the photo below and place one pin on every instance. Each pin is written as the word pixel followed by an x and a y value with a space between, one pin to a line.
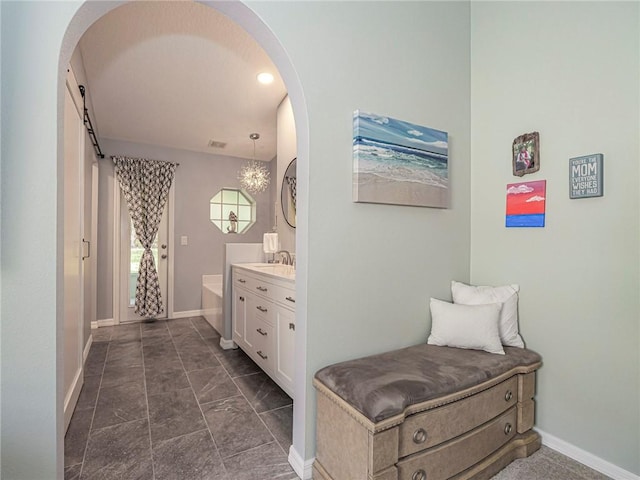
pixel 87 347
pixel 586 458
pixel 303 469
pixel 188 313
pixel 105 322
pixel 227 344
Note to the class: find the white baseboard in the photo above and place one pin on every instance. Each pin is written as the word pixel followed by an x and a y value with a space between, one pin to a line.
pixel 586 458
pixel 188 313
pixel 106 322
pixel 227 344
pixel 303 469
pixel 87 347
pixel 71 397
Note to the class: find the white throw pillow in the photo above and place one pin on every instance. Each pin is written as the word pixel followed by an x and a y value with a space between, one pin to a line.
pixel 506 295
pixel 473 327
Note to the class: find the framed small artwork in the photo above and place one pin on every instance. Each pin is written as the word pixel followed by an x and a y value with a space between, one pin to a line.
pixel 526 154
pixel 399 163
pixel 526 204
pixel 586 176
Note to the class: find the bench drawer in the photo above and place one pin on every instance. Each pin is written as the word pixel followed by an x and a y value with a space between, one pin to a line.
pixel 428 429
pixel 451 458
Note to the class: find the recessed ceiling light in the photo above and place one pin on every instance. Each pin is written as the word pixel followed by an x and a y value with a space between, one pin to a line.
pixel 265 78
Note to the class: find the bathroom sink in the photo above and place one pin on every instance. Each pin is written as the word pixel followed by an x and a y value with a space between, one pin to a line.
pixel 276 269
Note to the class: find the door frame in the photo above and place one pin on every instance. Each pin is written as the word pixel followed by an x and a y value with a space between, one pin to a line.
pixel 117 251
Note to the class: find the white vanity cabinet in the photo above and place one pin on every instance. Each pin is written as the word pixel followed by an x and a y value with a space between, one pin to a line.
pixel 263 319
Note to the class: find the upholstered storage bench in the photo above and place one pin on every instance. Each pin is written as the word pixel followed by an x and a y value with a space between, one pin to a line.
pixel 425 413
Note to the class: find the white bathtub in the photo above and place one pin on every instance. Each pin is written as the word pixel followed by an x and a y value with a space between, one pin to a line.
pixel 212 301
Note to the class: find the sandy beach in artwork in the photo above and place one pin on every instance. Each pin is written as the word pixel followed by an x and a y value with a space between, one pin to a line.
pixel 371 188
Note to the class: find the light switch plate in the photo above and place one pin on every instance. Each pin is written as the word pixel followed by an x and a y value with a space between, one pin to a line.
pixel 184 240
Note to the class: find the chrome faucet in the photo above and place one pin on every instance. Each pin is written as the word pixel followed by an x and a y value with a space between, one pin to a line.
pixel 286 257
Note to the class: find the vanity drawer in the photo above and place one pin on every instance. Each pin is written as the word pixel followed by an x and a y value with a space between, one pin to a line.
pixel 264 347
pixel 241 280
pixel 428 429
pixel 451 458
pixel 285 296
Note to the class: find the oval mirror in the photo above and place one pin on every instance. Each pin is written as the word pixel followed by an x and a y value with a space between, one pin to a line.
pixel 288 194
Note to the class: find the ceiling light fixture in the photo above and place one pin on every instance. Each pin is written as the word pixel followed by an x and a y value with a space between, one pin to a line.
pixel 265 78
pixel 253 176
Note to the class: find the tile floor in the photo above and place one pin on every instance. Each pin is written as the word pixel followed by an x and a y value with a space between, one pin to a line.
pixel 163 401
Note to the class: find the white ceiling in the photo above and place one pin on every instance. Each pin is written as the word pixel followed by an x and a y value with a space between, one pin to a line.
pixel 179 74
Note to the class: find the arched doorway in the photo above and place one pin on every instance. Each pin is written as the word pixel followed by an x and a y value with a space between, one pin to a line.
pixel 88 13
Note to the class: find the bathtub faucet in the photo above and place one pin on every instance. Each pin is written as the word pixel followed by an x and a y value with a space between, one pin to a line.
pixel 286 257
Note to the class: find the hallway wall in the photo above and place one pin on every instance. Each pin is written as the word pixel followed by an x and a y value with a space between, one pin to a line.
pixel 574 77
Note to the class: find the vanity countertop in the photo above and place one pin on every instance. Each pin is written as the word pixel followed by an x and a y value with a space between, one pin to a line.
pixel 273 270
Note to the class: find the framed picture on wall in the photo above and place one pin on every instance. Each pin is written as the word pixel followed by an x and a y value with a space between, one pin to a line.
pixel 525 153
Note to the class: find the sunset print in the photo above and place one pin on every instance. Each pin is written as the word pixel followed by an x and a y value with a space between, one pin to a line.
pixel 526 204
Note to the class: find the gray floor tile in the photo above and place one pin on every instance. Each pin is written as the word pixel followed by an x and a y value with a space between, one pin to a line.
pixel 280 424
pixel 214 344
pixel 102 334
pixel 163 380
pixel 188 340
pixel 75 440
pixel 179 326
pixel 126 332
pixel 211 384
pixel 115 374
pixel 161 350
pixel 128 352
pixel 72 472
pixel 265 462
pixel 235 426
pixel 96 359
pixel 198 358
pixel 173 414
pixel 119 452
pixel 262 392
pixel 189 457
pixel 204 329
pixel 119 404
pixel 89 393
pixel 237 363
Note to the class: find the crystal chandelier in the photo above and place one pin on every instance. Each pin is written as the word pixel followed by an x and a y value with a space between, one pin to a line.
pixel 253 176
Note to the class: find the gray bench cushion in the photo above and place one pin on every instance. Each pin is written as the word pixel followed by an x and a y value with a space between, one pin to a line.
pixel 384 385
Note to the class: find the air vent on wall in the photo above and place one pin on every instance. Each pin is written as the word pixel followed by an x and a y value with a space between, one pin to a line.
pixel 216 144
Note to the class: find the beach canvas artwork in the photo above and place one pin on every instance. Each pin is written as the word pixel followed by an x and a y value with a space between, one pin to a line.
pixel 399 163
pixel 526 204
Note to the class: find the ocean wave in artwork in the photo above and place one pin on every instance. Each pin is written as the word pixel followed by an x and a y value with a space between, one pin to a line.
pixel 400 163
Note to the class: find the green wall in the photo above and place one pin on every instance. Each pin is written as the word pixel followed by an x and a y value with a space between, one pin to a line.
pixel 569 70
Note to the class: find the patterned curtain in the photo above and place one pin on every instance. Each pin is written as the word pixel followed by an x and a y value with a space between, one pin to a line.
pixel 145 185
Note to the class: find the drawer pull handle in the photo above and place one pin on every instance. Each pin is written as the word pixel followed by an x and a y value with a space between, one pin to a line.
pixel 419 475
pixel 262 289
pixel 420 435
pixel 262 355
pixel 508 396
pixel 507 429
pixel 293 300
pixel 261 332
pixel 262 309
pixel 240 280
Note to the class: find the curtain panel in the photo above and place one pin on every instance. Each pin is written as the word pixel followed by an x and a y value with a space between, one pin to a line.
pixel 145 185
